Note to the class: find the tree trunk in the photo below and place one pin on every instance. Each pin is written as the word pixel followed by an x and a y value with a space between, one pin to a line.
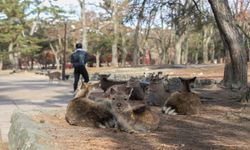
pixel 33 28
pixel 97 58
pixel 196 58
pixel 178 48
pixel 11 53
pixel 115 41
pixel 207 35
pixel 136 35
pixel 65 50
pixel 84 27
pixel 1 62
pixel 12 56
pixel 32 63
pixel 124 51
pixel 136 46
pixel 248 46
pixel 213 53
pixel 185 52
pixel 228 78
pixel 57 57
pixel 233 40
pixel 163 45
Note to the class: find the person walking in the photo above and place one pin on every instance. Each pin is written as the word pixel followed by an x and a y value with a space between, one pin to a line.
pixel 79 58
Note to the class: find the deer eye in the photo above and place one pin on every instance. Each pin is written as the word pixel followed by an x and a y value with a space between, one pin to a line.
pixel 113 98
pixel 125 99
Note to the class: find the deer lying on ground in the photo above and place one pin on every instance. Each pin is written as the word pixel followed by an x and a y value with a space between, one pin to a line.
pixel 138 91
pixel 132 119
pixel 133 82
pixel 156 93
pixel 54 75
pixel 105 83
pixel 184 102
pixel 82 111
pixel 113 113
pixel 85 89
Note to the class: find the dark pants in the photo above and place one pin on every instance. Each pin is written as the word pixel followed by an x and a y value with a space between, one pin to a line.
pixel 80 71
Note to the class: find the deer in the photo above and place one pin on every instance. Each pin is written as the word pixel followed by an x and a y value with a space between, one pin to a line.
pixel 82 111
pixel 156 93
pixel 54 75
pixel 137 93
pixel 105 83
pixel 132 119
pixel 183 102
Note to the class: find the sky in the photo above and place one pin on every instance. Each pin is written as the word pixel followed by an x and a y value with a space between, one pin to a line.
pixel 67 5
pixel 74 5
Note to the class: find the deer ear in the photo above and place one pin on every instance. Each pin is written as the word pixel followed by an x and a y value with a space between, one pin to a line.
pixel 108 75
pixel 128 91
pixel 160 75
pixel 159 72
pixel 193 79
pixel 83 85
pixel 101 76
pixel 166 77
pixel 182 79
pixel 112 91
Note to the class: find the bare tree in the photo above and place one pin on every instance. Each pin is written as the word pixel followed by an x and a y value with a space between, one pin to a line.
pixel 136 33
pixel 207 35
pixel 83 22
pixel 234 41
pixel 115 41
pixel 182 29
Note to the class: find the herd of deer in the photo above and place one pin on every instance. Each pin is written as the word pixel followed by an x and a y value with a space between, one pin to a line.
pixel 116 108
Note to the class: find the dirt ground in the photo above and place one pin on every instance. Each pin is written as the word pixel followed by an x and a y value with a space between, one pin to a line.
pixel 3 145
pixel 223 124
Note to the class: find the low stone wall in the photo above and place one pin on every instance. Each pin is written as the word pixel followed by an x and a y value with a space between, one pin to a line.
pixel 26 134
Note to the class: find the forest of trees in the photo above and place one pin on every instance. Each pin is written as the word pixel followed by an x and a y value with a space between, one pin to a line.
pixel 129 33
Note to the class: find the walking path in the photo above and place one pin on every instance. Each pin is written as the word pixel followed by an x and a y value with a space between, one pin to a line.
pixel 29 91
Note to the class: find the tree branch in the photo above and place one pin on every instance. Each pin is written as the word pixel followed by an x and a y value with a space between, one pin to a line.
pixel 197 7
pixel 241 29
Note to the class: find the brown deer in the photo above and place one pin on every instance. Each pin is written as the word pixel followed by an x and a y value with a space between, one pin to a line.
pixel 183 102
pixel 132 119
pixel 85 89
pixel 82 111
pixel 105 83
pixel 156 93
pixel 54 75
pixel 137 93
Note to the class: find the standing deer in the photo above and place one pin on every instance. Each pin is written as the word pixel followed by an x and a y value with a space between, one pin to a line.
pixel 54 75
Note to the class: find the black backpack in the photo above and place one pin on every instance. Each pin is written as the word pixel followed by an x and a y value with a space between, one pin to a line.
pixel 79 58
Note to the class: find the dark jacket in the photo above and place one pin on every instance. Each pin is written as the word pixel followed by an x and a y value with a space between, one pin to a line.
pixel 79 58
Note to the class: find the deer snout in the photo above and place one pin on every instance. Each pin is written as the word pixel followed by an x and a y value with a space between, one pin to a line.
pixel 118 105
